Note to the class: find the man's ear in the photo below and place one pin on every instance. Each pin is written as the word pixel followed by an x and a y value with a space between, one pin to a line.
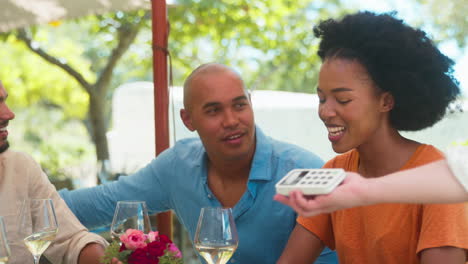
pixel 186 119
pixel 387 102
pixel 249 95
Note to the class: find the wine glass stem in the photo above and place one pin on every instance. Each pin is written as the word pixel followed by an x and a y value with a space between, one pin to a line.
pixel 36 259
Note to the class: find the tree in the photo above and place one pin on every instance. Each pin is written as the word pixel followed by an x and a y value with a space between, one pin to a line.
pixel 124 28
pixel 449 18
pixel 270 40
pixel 46 126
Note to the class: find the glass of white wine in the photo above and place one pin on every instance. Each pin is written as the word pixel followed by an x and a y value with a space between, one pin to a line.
pixel 216 236
pixel 4 248
pixel 129 215
pixel 37 225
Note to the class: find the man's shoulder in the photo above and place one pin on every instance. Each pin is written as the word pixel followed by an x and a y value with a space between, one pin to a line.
pixel 185 155
pixel 192 141
pixel 22 164
pixel 185 149
pixel 289 151
pixel 12 156
pixel 187 145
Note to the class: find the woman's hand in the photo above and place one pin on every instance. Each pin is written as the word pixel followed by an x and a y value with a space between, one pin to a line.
pixel 351 193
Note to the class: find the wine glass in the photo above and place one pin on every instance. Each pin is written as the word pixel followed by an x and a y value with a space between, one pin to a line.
pixel 216 236
pixel 37 225
pixel 129 215
pixel 4 248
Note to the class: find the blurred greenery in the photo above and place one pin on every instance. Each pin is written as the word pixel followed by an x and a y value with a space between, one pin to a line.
pixel 53 140
pixel 277 33
pixel 29 79
pixel 448 19
pixel 270 41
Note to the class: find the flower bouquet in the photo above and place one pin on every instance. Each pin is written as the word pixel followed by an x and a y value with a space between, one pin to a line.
pixel 139 248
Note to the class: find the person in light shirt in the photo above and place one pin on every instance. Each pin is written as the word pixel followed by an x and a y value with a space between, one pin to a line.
pixel 22 178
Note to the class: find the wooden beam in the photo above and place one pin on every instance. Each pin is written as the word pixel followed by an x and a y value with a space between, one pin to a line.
pixel 160 30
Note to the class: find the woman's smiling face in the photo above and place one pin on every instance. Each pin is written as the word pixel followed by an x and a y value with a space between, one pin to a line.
pixel 351 106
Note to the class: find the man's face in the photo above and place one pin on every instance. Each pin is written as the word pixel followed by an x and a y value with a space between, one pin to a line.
pixel 5 116
pixel 219 109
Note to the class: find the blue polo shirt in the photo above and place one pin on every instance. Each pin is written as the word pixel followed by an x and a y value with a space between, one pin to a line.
pixel 177 180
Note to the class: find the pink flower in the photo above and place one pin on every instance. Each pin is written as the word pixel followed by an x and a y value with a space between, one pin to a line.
pixel 140 248
pixel 173 248
pixel 133 239
pixel 152 236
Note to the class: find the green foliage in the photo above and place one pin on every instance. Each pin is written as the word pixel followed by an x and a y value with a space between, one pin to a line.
pixel 92 61
pixel 56 142
pixel 84 44
pixel 449 19
pixel 170 259
pixel 113 250
pixel 98 34
pixel 29 79
pixel 271 41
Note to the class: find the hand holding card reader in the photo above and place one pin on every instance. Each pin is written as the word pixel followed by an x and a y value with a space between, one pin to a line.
pixel 311 181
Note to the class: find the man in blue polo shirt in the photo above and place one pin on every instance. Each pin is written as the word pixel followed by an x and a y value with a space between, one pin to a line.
pixel 232 164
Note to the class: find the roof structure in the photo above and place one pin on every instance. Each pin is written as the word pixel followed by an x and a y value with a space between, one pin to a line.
pixel 22 13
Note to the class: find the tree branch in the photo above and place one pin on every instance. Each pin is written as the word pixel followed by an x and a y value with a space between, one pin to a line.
pixel 23 36
pixel 126 34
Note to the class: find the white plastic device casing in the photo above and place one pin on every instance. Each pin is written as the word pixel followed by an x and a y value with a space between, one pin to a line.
pixel 310 181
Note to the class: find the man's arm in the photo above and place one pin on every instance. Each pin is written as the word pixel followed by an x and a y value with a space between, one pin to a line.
pixel 95 206
pixel 303 247
pixel 443 255
pixel 72 237
pixel 91 254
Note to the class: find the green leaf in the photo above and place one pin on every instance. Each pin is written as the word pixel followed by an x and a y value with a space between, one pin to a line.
pixel 112 251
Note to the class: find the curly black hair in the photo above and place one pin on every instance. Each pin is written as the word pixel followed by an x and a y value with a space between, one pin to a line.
pixel 399 59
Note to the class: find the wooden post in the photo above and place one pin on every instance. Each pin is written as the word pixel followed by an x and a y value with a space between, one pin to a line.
pixel 161 97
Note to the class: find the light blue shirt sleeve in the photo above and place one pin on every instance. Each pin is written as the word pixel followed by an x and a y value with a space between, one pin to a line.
pixel 95 206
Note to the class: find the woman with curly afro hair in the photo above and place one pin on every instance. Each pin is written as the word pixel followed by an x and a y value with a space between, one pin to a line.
pixel 380 76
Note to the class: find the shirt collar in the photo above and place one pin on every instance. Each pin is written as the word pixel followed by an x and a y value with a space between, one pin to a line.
pixel 261 169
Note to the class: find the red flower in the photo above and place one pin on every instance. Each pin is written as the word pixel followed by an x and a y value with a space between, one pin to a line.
pixel 140 256
pixel 156 248
pixel 164 239
pixel 122 247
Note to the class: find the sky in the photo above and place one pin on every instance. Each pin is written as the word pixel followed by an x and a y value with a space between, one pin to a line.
pixel 406 10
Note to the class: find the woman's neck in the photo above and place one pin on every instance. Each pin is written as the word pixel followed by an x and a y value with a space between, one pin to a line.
pixel 389 154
